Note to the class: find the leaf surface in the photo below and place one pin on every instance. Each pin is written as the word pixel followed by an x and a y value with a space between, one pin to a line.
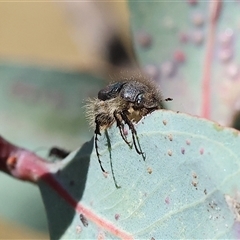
pixel 179 191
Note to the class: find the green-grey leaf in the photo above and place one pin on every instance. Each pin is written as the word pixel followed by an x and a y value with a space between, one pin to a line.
pixel 47 101
pixel 191 166
pixel 172 43
pixel 40 107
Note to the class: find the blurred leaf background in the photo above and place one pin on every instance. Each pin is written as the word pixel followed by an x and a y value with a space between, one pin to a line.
pixel 52 57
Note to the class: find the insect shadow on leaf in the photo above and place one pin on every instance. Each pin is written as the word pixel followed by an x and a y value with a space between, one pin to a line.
pixel 124 102
pixel 110 156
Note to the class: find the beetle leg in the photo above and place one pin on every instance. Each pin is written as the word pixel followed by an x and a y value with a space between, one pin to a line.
pixel 120 126
pixel 96 133
pixel 134 136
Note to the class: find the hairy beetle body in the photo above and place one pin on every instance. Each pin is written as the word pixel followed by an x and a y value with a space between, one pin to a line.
pixel 123 102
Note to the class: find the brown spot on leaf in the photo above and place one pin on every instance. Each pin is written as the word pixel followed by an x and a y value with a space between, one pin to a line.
pixel 164 122
pixel 170 137
pixel 117 216
pixel 170 153
pixel 167 200
pixel 194 175
pixel 149 170
pixel 183 150
pixel 195 184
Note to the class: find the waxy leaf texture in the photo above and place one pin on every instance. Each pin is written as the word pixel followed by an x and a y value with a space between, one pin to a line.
pixel 186 188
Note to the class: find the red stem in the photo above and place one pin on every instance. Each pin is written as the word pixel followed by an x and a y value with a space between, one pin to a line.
pixel 80 208
pixel 25 165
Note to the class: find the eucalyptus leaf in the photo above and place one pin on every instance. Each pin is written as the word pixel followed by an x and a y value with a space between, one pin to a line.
pixel 184 188
pixel 191 49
